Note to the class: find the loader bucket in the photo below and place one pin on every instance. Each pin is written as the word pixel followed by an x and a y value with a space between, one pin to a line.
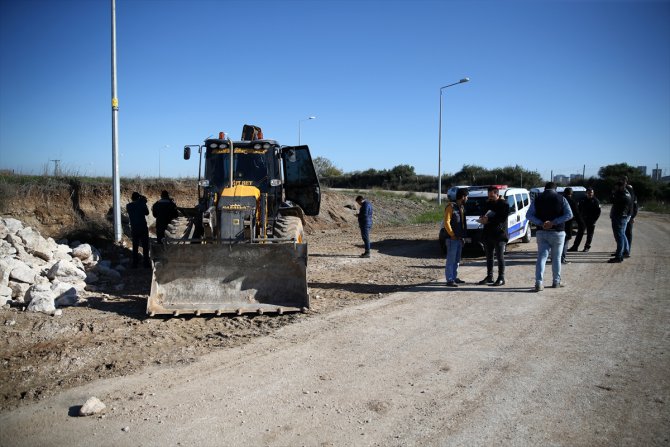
pixel 228 278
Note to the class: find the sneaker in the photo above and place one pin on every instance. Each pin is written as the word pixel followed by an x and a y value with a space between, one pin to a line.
pixel 539 287
pixel 451 284
pixel 573 249
pixel 365 255
pixel 586 249
pixel 565 261
pixel 557 285
pixel 459 281
pixel 626 255
pixel 615 260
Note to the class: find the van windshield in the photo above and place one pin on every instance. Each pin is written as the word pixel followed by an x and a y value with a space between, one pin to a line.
pixel 475 206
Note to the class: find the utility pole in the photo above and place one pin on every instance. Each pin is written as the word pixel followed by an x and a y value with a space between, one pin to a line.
pixel 584 174
pixel 116 204
pixel 56 167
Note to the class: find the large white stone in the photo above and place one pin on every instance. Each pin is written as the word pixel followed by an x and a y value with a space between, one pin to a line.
pixel 4 273
pixel 34 243
pixel 41 299
pixel 12 225
pixel 19 290
pixel 21 272
pixel 62 251
pixel 5 292
pixel 66 271
pixel 92 406
pixel 6 249
pixel 82 252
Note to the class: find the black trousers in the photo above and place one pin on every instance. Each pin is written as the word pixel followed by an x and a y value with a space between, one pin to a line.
pixel 140 237
pixel 497 247
pixel 580 234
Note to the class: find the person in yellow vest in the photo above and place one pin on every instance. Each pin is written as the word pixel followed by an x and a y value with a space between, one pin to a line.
pixel 456 227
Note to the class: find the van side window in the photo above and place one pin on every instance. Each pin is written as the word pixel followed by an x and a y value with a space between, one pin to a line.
pixel 526 199
pixel 511 202
pixel 519 201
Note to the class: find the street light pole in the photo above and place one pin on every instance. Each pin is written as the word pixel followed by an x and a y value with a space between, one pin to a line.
pixel 300 121
pixel 167 146
pixel 439 144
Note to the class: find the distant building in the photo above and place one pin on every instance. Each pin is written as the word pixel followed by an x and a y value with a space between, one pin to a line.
pixel 657 174
pixel 561 179
pixel 576 178
pixel 642 169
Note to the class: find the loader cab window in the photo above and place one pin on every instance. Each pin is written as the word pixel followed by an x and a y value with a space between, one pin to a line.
pixel 249 167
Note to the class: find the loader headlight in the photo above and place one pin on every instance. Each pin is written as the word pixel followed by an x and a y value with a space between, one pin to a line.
pixel 258 146
pixel 223 146
pixel 275 182
pixel 204 183
pixel 266 145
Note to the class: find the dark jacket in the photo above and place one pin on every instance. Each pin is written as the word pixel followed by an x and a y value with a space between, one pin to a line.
pixel 365 215
pixel 633 198
pixel 590 210
pixel 622 204
pixel 137 210
pixel 576 217
pixel 495 230
pixel 164 211
pixel 549 206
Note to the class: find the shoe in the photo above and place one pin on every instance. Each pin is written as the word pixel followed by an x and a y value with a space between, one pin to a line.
pixel 459 281
pixel 487 280
pixel 499 282
pixel 451 284
pixel 586 249
pixel 365 255
pixel 626 255
pixel 615 260
pixel 565 261
pixel 539 287
pixel 557 285
pixel 573 248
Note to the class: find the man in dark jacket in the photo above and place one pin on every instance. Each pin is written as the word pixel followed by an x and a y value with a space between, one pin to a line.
pixel 589 208
pixel 137 212
pixel 622 204
pixel 365 223
pixel 569 225
pixel 633 214
pixel 494 235
pixel 456 227
pixel 164 211
pixel 549 212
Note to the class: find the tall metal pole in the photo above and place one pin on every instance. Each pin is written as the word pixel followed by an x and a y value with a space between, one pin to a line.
pixel 115 137
pixel 439 144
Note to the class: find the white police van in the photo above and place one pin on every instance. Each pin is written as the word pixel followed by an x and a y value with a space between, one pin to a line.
pixel 578 192
pixel 518 226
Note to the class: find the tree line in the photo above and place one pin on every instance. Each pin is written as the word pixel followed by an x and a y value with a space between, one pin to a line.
pixel 404 178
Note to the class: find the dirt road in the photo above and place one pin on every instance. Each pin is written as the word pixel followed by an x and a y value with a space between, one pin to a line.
pixel 583 365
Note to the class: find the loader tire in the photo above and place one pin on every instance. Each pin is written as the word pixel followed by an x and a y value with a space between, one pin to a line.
pixel 289 227
pixel 179 228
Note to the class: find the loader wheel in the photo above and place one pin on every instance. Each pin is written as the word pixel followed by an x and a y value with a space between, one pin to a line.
pixel 289 227
pixel 179 228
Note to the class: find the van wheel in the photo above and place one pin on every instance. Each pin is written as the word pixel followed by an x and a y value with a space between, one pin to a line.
pixel 526 237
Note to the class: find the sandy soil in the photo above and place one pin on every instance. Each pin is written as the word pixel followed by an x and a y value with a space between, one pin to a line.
pixel 387 356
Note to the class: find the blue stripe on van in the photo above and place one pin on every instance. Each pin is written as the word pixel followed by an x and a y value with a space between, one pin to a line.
pixel 517 230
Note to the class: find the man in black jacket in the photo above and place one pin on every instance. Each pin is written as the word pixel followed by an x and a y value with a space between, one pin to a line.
pixel 589 208
pixel 164 211
pixel 137 212
pixel 569 225
pixel 622 203
pixel 495 235
pixel 633 214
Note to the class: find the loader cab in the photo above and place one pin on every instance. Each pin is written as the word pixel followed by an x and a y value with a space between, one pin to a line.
pixel 301 184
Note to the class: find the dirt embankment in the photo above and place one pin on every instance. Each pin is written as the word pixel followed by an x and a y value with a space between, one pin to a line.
pixel 111 336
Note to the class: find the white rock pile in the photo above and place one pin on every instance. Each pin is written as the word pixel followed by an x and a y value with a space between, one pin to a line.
pixel 41 275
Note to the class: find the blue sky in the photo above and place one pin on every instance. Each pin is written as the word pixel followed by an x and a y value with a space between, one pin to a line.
pixel 555 85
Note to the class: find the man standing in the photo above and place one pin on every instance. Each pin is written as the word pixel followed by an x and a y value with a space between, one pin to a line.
pixel 365 223
pixel 622 204
pixel 633 214
pixel 494 235
pixel 456 227
pixel 569 225
pixel 589 208
pixel 549 212
pixel 164 211
pixel 137 212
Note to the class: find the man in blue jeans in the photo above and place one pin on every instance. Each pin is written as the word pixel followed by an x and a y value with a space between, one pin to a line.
pixel 622 204
pixel 365 223
pixel 549 212
pixel 456 227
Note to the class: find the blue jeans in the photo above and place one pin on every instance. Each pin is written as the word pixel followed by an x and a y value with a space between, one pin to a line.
pixel 549 240
pixel 454 250
pixel 365 234
pixel 619 229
